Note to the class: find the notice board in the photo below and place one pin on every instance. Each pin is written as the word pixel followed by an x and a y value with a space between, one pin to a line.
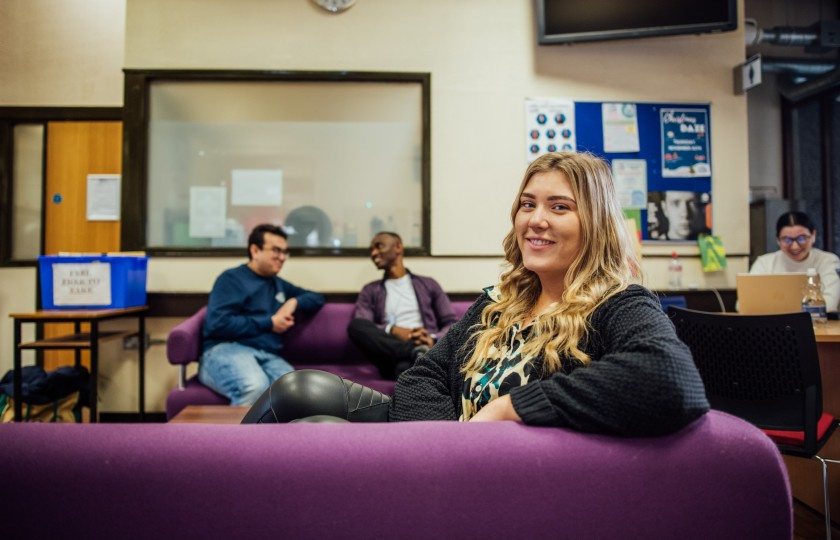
pixel 660 154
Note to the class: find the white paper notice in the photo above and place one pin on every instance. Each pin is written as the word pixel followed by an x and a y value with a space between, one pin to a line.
pixel 256 187
pixel 621 127
pixel 549 127
pixel 207 212
pixel 82 284
pixel 630 176
pixel 103 197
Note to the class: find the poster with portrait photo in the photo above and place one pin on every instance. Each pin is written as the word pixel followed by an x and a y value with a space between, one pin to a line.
pixel 679 216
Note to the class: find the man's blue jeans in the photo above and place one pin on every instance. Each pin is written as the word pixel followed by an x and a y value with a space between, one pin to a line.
pixel 240 373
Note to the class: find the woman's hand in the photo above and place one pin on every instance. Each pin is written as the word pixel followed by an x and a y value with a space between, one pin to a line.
pixel 500 408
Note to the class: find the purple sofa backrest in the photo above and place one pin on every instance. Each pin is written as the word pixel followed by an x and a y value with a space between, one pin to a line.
pixel 718 478
pixel 321 337
pixel 313 340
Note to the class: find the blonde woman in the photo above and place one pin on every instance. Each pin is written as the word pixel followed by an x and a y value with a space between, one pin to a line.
pixel 564 339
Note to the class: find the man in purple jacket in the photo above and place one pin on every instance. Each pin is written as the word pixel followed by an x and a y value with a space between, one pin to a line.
pixel 400 316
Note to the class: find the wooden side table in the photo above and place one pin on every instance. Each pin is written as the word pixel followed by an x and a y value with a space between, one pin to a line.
pixel 210 414
pixel 78 341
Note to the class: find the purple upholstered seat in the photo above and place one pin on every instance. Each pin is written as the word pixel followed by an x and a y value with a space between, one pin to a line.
pixel 718 478
pixel 316 342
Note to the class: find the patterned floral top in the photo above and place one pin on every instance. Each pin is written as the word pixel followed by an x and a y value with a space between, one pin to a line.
pixel 502 370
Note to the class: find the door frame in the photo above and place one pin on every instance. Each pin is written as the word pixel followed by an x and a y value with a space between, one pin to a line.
pixel 9 118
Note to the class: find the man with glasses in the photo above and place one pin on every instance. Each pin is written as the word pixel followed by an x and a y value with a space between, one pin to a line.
pixel 796 234
pixel 250 308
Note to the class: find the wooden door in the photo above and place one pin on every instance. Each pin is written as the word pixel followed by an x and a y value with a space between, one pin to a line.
pixel 75 150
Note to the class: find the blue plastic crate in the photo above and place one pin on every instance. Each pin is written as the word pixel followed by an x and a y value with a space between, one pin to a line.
pixel 127 276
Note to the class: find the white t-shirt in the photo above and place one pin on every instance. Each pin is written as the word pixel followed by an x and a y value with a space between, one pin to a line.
pixel 401 307
pixel 825 262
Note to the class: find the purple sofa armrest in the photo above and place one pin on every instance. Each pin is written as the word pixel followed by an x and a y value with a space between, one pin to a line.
pixel 183 345
pixel 717 478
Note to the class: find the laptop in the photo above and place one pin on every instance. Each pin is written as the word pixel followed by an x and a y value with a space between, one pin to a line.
pixel 769 294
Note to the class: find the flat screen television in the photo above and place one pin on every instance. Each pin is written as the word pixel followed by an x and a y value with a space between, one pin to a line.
pixel 571 21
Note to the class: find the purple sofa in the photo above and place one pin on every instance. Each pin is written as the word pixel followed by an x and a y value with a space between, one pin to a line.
pixel 316 342
pixel 718 478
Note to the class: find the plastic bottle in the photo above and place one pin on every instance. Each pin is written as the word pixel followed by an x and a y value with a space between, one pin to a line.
pixel 812 298
pixel 675 272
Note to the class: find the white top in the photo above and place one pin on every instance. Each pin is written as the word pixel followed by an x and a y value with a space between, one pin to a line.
pixel 825 262
pixel 401 307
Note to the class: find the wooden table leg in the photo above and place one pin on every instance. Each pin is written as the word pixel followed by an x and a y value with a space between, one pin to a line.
pixel 94 370
pixel 142 360
pixel 18 375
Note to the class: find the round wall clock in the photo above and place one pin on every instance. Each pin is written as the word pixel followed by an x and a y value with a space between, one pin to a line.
pixel 335 6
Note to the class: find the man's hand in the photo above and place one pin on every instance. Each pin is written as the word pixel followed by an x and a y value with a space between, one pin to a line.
pixel 401 332
pixel 500 408
pixel 283 318
pixel 420 336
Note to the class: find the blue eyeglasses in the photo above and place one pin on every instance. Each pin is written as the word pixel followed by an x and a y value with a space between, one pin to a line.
pixel 802 239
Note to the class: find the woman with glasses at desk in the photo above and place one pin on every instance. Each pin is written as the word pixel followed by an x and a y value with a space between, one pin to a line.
pixel 796 234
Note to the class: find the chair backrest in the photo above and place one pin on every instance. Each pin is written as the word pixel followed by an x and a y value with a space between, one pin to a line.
pixel 762 368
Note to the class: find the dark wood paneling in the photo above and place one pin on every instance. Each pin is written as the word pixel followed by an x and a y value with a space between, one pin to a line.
pixel 46 114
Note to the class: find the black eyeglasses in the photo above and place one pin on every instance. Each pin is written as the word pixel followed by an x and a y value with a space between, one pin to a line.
pixel 802 239
pixel 278 251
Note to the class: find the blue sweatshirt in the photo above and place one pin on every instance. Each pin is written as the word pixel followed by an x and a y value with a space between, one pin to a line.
pixel 241 306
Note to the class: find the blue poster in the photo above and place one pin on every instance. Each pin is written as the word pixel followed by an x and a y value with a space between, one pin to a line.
pixel 685 144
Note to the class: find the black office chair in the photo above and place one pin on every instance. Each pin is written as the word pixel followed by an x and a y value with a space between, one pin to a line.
pixel 764 369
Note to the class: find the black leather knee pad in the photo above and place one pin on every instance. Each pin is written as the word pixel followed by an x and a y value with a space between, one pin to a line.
pixel 320 419
pixel 365 404
pixel 310 392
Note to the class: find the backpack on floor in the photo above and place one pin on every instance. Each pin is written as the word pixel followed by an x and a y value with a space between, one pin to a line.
pixel 55 396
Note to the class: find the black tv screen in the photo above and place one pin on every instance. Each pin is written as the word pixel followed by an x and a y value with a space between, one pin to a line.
pixel 570 21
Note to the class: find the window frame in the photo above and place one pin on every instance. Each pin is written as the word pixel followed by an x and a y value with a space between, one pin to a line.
pixel 134 198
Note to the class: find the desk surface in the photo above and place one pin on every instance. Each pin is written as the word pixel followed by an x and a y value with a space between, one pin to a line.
pixel 77 314
pixel 828 333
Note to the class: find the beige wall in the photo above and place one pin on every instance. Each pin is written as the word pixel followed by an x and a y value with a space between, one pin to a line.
pixel 484 62
pixel 61 52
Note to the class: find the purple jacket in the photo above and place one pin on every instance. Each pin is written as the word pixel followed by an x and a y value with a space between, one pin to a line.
pixel 435 308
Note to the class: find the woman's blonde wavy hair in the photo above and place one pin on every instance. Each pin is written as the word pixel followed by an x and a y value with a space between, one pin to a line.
pixel 605 265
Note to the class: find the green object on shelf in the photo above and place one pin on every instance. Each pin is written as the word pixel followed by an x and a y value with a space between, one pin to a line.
pixel 712 253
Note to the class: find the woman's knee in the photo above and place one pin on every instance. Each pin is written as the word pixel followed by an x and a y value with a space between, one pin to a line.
pixel 307 392
pixel 312 392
